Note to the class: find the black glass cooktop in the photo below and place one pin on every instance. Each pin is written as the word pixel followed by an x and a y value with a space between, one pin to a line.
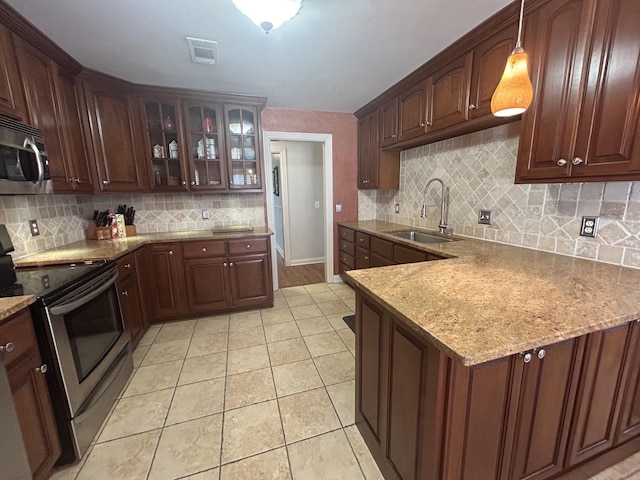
pixel 46 281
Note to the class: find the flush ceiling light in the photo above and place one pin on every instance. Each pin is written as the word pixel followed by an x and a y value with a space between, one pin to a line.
pixel 269 14
pixel 514 93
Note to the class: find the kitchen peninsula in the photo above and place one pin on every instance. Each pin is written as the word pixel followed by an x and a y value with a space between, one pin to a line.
pixel 496 362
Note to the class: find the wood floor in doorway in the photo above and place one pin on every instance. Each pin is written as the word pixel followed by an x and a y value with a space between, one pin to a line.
pixel 299 274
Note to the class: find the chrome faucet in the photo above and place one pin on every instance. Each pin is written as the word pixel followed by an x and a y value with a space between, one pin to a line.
pixel 442 226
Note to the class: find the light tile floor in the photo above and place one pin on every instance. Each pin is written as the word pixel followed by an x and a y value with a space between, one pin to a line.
pixel 265 394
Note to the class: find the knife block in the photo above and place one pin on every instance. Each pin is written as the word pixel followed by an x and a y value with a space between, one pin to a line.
pixel 131 230
pixel 98 233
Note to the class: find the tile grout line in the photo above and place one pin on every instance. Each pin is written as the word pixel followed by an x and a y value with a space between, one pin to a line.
pixel 224 398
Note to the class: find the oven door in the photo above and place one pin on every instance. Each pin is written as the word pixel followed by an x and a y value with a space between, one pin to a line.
pixel 88 335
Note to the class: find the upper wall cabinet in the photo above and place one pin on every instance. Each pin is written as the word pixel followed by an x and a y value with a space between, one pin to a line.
pixel 114 125
pixel 11 93
pixel 242 126
pixel 377 169
pixel 412 116
pixel 389 123
pixel 583 123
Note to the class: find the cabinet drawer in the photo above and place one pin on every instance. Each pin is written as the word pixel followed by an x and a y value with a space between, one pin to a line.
pixel 347 259
pixel 362 240
pixel 126 266
pixel 363 258
pixel 249 245
pixel 407 255
pixel 203 249
pixel 18 330
pixel 382 247
pixel 347 234
pixel 347 247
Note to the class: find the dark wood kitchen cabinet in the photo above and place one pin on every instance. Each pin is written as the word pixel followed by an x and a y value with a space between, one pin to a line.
pixel 628 426
pixel 206 271
pixel 26 374
pixel 74 174
pixel 115 132
pixel 11 92
pixel 250 280
pixel 243 147
pixel 377 169
pixel 131 303
pixel 164 282
pixel 412 112
pixel 389 123
pixel 583 122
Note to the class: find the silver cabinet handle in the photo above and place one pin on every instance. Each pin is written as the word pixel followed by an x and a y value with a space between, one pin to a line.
pixel 105 182
pixel 393 135
pixel 248 246
pixel 428 124
pixel 472 107
pixel 77 180
pixel 224 264
pixel 127 265
pixel 184 183
pixel 170 252
pixel 125 293
pixel 7 348
pixel 526 358
pixel 366 258
pixel 577 161
pixel 562 162
pixel 541 353
pixel 422 124
pixel 231 264
pixel 42 369
pixel 70 180
pixel 193 183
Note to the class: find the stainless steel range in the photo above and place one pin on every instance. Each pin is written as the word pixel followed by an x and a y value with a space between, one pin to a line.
pixel 82 338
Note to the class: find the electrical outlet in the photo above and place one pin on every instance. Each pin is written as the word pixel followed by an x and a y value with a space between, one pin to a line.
pixel 397 208
pixel 205 214
pixel 338 207
pixel 485 217
pixel 33 226
pixel 589 227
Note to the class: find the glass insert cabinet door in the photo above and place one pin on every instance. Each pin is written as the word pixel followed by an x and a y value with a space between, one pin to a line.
pixel 165 153
pixel 206 150
pixel 242 134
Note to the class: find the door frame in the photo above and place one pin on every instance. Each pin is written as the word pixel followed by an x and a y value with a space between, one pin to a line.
pixel 327 168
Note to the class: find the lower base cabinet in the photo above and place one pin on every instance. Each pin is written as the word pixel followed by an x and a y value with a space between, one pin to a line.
pixel 207 277
pixel 131 304
pixel 530 416
pixel 26 375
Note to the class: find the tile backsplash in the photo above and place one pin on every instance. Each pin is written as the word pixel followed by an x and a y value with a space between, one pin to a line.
pixel 479 170
pixel 63 218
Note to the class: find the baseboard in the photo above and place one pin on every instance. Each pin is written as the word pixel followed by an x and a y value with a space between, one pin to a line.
pixel 280 250
pixel 337 279
pixel 306 261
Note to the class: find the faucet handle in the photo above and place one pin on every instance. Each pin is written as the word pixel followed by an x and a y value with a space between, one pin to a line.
pixel 423 212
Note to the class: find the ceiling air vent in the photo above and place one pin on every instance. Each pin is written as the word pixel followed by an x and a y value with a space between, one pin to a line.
pixel 203 51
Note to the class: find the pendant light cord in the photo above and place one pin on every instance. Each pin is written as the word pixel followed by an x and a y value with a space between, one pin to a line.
pixel 520 24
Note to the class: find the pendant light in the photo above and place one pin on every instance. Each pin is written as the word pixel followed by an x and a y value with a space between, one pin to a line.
pixel 514 93
pixel 269 14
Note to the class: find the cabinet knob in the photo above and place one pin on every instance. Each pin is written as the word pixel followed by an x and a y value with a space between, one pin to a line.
pixel 42 368
pixel 7 348
pixel 170 252
pixel 541 353
pixel 224 264
pixel 422 124
pixel 125 293
pixel 77 180
pixel 105 182
pixel 393 135
pixel 428 124
pixel 361 239
pixel 231 264
pixel 366 258
pixel 69 180
pixel 526 358
pixel 577 161
pixel 193 183
pixel 184 182
pixel 248 246
pixel 472 106
pixel 204 249
pixel 562 162
pixel 127 265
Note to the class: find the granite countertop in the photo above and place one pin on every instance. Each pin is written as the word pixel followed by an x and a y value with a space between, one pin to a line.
pixel 11 305
pixel 488 300
pixel 96 250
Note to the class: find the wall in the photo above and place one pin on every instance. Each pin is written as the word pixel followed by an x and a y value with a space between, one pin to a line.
pixel 277 205
pixel 63 218
pixel 344 129
pixel 302 175
pixel 479 169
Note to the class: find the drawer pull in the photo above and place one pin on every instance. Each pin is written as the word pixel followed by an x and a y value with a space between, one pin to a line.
pixel 562 162
pixel 7 348
pixel 125 293
pixel 42 369
pixel 248 246
pixel 577 161
pixel 541 354
pixel 366 258
pixel 204 249
pixel 526 358
pixel 127 265
pixel 224 264
pixel 231 264
pixel 170 252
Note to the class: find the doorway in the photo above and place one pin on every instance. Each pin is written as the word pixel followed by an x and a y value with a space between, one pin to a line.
pixel 299 192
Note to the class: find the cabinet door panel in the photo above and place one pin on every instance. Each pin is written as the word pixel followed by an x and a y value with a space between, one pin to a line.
pixel 555 45
pixel 608 138
pixel 113 131
pixel 250 278
pixel 489 60
pixel 629 424
pixel 594 428
pixel 544 412
pixel 405 387
pixel 131 305
pixel 369 364
pixel 363 258
pixel 448 94
pixel 206 284
pixel 479 402
pixel 11 93
pixel 412 112
pixel 389 123
pixel 165 277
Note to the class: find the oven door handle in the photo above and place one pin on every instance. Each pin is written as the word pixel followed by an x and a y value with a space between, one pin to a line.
pixel 73 304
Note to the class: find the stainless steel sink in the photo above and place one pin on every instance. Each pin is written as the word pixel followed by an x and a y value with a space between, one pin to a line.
pixel 421 237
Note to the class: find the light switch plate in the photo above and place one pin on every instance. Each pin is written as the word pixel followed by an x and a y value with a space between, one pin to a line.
pixel 206 214
pixel 589 227
pixel 338 207
pixel 485 217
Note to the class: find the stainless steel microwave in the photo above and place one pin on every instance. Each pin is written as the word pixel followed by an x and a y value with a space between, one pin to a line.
pixel 24 168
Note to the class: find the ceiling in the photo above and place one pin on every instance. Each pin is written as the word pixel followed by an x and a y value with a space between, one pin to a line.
pixel 336 55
